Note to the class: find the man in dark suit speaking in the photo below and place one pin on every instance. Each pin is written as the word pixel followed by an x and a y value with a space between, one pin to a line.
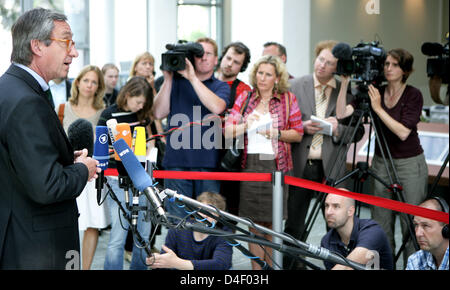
pixel 40 175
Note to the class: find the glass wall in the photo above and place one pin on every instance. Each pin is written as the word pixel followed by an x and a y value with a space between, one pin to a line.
pixel 118 30
pixel 200 18
pixel 78 15
pixel 9 12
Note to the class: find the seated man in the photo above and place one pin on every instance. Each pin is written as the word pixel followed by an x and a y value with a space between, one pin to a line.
pixel 189 250
pixel 354 238
pixel 433 253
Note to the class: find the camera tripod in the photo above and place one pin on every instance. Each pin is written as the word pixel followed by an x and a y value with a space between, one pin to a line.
pixel 361 171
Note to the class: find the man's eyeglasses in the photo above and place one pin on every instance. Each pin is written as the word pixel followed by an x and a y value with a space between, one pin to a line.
pixel 69 43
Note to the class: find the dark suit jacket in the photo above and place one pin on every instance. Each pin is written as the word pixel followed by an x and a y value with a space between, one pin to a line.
pixel 303 88
pixel 38 178
pixel 68 88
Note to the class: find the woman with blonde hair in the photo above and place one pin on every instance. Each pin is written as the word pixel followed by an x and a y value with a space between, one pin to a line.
pixel 144 66
pixel 86 102
pixel 86 97
pixel 270 121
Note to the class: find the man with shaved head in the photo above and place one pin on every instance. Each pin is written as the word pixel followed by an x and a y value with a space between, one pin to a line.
pixel 433 242
pixel 359 240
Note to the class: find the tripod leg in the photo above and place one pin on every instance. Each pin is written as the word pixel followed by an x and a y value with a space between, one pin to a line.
pixel 340 156
pixel 312 216
pixel 339 160
pixel 397 190
pixel 438 177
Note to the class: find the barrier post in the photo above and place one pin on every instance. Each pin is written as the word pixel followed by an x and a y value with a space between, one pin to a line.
pixel 277 216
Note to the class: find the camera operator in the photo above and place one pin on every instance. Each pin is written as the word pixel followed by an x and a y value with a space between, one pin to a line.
pixel 312 158
pixel 197 88
pixel 399 107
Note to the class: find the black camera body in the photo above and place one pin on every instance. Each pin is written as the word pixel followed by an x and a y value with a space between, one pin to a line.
pixel 437 64
pixel 365 62
pixel 174 59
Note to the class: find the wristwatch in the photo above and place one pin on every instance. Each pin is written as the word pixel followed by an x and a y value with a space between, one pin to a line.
pixel 279 134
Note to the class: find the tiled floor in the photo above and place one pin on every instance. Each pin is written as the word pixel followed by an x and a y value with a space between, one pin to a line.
pixel 240 262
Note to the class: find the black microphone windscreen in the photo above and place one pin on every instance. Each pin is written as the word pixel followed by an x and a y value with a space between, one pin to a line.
pixel 342 51
pixel 81 135
pixel 432 48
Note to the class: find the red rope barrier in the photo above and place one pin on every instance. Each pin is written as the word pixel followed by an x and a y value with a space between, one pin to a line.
pixel 370 199
pixel 230 176
pixel 267 177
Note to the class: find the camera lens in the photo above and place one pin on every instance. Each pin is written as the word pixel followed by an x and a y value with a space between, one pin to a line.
pixel 174 61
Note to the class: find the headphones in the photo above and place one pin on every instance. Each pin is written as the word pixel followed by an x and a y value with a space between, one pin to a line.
pixel 444 206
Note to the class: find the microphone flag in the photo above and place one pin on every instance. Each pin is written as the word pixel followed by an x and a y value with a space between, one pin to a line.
pixel 101 152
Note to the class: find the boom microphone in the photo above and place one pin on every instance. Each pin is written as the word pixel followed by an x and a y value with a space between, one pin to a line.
pixel 101 154
pixel 432 49
pixel 139 176
pixel 81 135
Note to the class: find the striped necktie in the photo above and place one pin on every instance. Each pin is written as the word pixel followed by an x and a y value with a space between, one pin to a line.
pixel 48 93
pixel 321 107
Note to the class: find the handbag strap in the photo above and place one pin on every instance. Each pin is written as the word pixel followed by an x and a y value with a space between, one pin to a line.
pixel 244 107
pixel 61 112
pixel 288 106
pixel 233 91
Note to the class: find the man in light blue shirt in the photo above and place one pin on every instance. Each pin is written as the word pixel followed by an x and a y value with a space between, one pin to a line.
pixel 433 253
pixel 60 88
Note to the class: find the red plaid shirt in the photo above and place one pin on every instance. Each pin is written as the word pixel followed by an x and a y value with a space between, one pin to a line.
pixel 278 111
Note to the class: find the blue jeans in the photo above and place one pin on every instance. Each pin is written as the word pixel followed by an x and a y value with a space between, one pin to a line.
pixel 115 250
pixel 189 188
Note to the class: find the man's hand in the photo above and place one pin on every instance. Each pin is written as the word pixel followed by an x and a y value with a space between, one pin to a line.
pixel 189 72
pixel 91 164
pixel 334 123
pixel 168 75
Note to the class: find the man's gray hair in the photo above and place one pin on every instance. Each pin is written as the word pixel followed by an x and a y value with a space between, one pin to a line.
pixel 33 24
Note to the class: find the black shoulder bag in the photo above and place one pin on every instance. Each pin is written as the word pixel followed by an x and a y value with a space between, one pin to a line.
pixel 232 156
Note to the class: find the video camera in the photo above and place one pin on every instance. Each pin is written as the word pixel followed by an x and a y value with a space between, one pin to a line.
pixel 437 64
pixel 174 59
pixel 365 61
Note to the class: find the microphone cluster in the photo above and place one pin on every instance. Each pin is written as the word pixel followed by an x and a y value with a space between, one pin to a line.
pixel 130 153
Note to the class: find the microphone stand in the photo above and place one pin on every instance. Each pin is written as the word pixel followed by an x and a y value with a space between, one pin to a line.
pixel 225 235
pixel 99 182
pixel 296 252
pixel 136 233
pixel 256 240
pixel 311 250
